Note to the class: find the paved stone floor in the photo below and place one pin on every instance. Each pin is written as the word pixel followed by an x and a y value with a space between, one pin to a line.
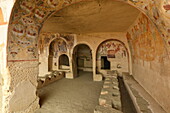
pixel 79 95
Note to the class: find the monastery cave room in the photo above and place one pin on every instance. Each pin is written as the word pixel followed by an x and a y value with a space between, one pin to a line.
pixel 84 56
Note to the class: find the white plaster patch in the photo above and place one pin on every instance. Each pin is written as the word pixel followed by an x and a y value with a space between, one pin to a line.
pixel 23 95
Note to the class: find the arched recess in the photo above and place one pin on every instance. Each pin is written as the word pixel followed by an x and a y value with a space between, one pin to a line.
pixel 112 54
pixel 82 59
pixel 64 62
pixel 25 24
pixel 57 46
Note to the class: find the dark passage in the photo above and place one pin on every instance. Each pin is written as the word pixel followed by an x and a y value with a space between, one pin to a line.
pixel 105 63
pixel 127 104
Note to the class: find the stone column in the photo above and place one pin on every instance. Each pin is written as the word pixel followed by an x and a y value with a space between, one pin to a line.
pixel 96 77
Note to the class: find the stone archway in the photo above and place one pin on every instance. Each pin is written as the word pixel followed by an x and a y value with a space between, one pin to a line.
pixel 26 21
pixel 116 53
pixel 82 58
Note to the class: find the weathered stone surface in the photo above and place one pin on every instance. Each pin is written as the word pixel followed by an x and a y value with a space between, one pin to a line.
pixel 98 77
pixel 23 96
pixel 100 109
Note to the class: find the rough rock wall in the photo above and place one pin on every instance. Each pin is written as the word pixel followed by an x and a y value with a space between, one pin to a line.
pixel 20 87
pixel 150 59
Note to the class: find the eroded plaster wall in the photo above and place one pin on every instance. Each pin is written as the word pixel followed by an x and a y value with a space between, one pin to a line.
pixel 150 62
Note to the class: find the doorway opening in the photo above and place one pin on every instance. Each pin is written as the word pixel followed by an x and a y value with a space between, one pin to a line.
pixel 105 64
pixel 82 59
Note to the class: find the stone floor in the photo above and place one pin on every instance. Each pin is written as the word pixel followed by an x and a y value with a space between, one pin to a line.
pixel 79 95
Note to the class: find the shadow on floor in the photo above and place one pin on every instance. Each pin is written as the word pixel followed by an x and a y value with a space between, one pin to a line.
pixel 127 104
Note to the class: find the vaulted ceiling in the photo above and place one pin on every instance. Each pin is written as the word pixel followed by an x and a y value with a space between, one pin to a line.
pixel 92 16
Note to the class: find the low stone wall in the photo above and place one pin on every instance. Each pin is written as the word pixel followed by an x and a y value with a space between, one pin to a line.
pixel 142 101
pixel 50 78
pixel 109 101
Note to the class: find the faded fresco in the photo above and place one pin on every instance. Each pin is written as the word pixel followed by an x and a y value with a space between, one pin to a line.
pixel 111 49
pixel 58 45
pixel 28 16
pixel 60 42
pixel 144 40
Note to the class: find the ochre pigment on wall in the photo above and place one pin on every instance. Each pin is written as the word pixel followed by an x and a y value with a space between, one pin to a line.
pixel 150 59
pixel 116 53
pixel 145 39
pixel 63 42
pixel 28 17
pixel 111 49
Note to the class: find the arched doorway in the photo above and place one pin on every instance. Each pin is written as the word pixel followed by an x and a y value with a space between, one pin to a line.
pixel 82 59
pixel 112 55
pixel 64 62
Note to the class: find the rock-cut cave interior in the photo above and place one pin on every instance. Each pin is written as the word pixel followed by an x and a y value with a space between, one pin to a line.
pixel 84 56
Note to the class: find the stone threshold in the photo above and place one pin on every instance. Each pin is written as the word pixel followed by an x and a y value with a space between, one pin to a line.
pixel 142 100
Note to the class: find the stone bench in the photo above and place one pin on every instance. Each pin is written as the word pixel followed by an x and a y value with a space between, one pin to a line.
pixel 50 78
pixel 142 101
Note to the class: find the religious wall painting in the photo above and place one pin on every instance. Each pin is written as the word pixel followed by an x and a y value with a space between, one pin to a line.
pixel 70 40
pixel 32 32
pixel 147 44
pixel 27 20
pixel 111 54
pixel 27 5
pixel 53 3
pixel 58 46
pixel 166 7
pixel 63 42
pixel 22 38
pixel 66 2
pixel 62 46
pixel 111 49
pixel 38 10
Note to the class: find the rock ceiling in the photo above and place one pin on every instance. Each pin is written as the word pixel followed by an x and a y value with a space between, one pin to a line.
pixel 92 16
